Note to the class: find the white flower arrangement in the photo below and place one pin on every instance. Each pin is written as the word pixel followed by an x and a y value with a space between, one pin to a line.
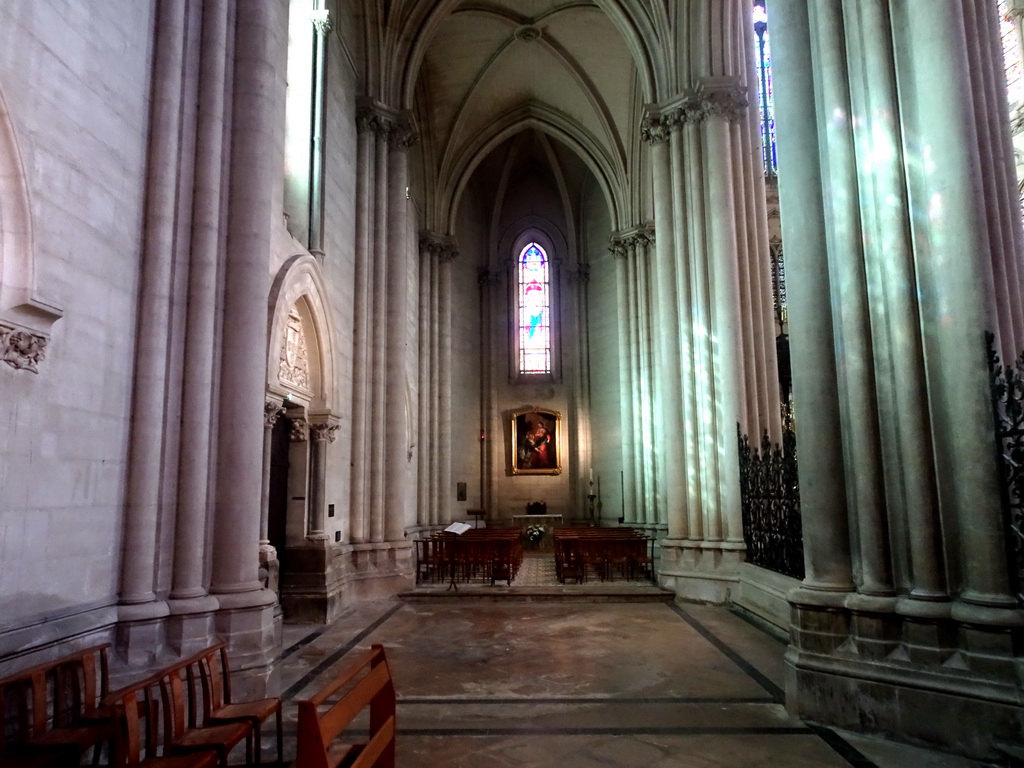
pixel 534 533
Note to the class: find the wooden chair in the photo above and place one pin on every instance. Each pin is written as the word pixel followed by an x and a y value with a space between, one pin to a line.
pixel 180 738
pixel 219 708
pixel 128 740
pixel 56 709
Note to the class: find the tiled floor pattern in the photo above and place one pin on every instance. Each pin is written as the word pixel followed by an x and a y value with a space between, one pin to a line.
pixel 581 685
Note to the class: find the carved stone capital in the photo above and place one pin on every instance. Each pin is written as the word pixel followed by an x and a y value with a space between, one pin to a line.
pixel 441 247
pixel 20 349
pixel 635 240
pixel 397 128
pixel 725 97
pixel 272 411
pixel 660 120
pixel 323 432
pixel 321 22
pixel 300 430
pixel 721 97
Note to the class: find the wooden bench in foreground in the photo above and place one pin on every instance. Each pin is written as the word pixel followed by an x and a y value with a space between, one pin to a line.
pixel 367 682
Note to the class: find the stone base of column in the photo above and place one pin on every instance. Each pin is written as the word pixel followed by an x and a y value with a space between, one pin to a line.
pixel 251 625
pixel 189 628
pixel 140 633
pixel 700 570
pixel 320 582
pixel 924 675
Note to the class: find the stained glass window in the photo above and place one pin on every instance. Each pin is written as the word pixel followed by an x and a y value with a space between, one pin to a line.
pixel 1011 54
pixel 534 310
pixel 763 57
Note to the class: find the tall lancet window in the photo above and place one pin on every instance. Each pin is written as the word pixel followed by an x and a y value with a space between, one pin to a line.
pixel 1012 56
pixel 534 273
pixel 763 57
pixel 1013 63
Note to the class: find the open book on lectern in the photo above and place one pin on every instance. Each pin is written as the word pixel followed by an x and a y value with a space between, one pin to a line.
pixel 458 528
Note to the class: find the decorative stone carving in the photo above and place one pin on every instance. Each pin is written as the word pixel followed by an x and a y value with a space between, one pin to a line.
pixel 527 33
pixel 272 411
pixel 441 247
pixel 293 368
pixel 323 432
pixel 299 431
pixel 636 240
pixel 724 98
pixel 395 127
pixel 727 101
pixel 321 22
pixel 22 350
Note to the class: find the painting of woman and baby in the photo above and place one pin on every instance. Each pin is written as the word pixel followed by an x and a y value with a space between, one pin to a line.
pixel 535 442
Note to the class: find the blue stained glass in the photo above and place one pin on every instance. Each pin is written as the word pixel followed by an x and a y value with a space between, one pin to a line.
pixel 765 100
pixel 534 311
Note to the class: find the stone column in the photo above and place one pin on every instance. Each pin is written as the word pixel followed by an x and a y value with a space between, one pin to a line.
pixel 188 593
pixel 726 104
pixel 423 427
pixel 362 320
pixel 260 46
pixel 649 500
pixel 272 411
pixel 321 434
pixel 439 250
pixel 949 246
pixel 621 253
pixel 444 301
pixel 822 479
pixel 670 460
pixel 137 599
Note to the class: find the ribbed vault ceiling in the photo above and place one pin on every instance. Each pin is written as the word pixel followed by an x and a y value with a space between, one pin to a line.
pixel 558 67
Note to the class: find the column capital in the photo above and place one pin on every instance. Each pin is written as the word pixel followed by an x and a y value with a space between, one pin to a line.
pixel 299 431
pixel 660 120
pixel 443 247
pixel 725 97
pixel 397 127
pixel 323 432
pixel 641 236
pixel 321 21
pixel 272 411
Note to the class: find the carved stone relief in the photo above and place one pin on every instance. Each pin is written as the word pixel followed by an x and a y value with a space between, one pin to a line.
pixel 22 350
pixel 293 368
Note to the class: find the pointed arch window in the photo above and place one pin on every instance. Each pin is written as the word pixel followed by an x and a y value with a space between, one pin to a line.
pixel 534 310
pixel 765 102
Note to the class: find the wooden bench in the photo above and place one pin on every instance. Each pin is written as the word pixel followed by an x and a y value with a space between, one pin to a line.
pixel 51 713
pixel 366 682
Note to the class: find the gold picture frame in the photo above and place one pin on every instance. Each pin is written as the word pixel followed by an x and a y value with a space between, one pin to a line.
pixel 536 442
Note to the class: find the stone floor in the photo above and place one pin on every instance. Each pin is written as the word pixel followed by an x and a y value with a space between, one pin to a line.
pixel 578 684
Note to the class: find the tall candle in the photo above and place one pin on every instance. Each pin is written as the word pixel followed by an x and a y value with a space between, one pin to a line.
pixel 591 475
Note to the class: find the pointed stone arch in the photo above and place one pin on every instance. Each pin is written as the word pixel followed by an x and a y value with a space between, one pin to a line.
pixel 25 318
pixel 300 339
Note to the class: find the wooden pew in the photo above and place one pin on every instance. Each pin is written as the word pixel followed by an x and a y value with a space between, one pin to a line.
pixel 366 682
pixel 603 551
